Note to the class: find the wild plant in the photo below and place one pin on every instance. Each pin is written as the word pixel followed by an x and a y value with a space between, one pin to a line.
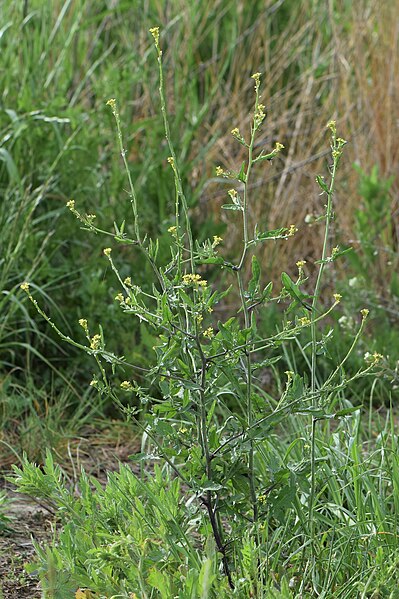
pixel 201 408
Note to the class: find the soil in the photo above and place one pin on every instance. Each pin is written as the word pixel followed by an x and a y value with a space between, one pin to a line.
pixel 30 521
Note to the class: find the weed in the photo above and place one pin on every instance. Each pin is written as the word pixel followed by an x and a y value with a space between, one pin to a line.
pixel 259 505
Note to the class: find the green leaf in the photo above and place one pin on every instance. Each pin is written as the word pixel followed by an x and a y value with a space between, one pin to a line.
pixel 322 184
pixel 253 285
pixel 347 411
pixel 231 207
pixel 294 291
pixel 241 175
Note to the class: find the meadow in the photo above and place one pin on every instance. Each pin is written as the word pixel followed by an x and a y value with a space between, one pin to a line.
pixel 199 274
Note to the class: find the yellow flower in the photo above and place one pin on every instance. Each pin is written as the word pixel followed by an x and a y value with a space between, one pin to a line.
pixel 95 342
pixel 171 161
pixel 256 77
pixel 209 333
pixel 235 131
pixel 337 297
pixel 128 282
pixel 377 357
pixel 107 252
pixel 25 286
pixel 155 34
pixel 365 312
pixel 301 263
pixel 216 240
pixel 192 279
pixel 332 125
pixel 304 321
pixel 112 102
pixel 292 230
pixel 278 147
pixel 83 323
pixel 219 171
pixel 259 114
pixel 126 386
pixel 172 230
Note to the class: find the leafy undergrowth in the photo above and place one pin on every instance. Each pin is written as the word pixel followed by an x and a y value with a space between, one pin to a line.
pixel 143 534
pixel 26 521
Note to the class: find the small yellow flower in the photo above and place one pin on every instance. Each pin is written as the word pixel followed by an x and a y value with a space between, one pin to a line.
pixel 182 430
pixel 83 323
pixel 219 171
pixel 155 34
pixel 377 357
pixel 192 279
pixel 335 251
pixel 304 321
pixel 233 194
pixel 25 286
pixel 71 204
pixel 128 282
pixel 119 297
pixel 301 263
pixel 332 125
pixel 292 230
pixel 256 77
pixel 200 318
pixel 107 252
pixel 216 240
pixel 93 382
pixel 112 102
pixel 95 342
pixel 260 114
pixel 337 297
pixel 235 131
pixel 172 230
pixel 262 498
pixel 336 154
pixel 209 333
pixel 126 386
pixel 171 161
pixel 365 312
pixel 278 147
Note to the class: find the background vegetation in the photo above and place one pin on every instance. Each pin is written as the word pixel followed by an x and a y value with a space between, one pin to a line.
pixel 61 61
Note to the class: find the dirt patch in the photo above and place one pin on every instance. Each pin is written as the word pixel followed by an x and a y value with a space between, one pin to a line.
pixel 28 522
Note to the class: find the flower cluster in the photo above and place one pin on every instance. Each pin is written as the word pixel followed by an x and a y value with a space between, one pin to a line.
pixel 195 280
pixel 95 342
